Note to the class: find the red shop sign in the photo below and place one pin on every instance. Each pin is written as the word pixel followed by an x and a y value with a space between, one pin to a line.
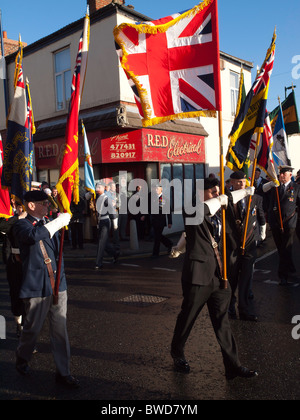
pixel 122 147
pixel 167 146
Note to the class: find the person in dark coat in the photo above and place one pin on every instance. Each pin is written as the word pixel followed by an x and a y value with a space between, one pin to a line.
pixel 201 280
pixel 76 224
pixel 241 263
pixel 161 217
pixel 289 198
pixel 39 248
pixel 11 258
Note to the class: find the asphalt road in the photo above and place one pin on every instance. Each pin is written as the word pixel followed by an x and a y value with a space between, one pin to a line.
pixel 120 323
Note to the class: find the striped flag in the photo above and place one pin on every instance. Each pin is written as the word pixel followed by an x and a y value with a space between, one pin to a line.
pixel 173 64
pixel 251 117
pixel 89 179
pixel 18 152
pixel 265 159
pixel 68 183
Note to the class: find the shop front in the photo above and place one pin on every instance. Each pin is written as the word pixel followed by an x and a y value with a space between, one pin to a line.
pixel 144 153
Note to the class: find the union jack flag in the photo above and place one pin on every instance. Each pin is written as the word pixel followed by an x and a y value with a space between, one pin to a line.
pixel 251 116
pixel 173 64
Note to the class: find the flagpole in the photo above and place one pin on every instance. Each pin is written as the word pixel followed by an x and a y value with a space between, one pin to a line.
pixel 224 283
pixel 250 197
pixel 3 55
pixel 277 193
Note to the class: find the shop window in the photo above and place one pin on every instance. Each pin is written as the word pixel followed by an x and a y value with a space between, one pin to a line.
pixel 178 193
pixel 63 80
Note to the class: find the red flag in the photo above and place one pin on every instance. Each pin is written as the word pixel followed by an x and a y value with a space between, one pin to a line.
pixel 68 182
pixel 173 64
pixel 5 206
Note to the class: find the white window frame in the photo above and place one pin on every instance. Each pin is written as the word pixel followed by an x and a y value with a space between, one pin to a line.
pixel 65 101
pixel 234 92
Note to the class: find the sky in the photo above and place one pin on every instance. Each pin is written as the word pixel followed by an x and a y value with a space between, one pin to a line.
pixel 245 28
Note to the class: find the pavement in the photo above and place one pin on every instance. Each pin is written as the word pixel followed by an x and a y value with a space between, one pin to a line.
pixel 120 325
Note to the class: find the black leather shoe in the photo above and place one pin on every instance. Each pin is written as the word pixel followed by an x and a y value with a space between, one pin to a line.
pixel 241 372
pixel 251 318
pixel 22 366
pixel 116 257
pixel 180 364
pixel 68 381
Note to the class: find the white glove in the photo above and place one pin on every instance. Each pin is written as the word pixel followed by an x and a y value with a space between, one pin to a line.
pixel 179 248
pixel 238 195
pixel 115 224
pixel 262 232
pixel 214 204
pixel 88 195
pixel 266 187
pixel 61 221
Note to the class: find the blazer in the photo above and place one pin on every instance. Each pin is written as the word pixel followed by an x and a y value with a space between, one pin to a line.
pixel 200 261
pixel 289 201
pixel 36 281
pixel 235 221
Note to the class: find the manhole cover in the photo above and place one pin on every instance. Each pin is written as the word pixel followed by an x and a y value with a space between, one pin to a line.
pixel 140 299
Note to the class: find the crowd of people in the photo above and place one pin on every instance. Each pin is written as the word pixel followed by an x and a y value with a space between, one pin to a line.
pixel 37 278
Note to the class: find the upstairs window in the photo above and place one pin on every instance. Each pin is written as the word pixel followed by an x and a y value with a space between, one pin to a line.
pixel 234 91
pixel 62 64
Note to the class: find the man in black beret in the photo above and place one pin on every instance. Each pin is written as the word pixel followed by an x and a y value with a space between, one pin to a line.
pixel 39 252
pixel 201 277
pixel 289 198
pixel 240 264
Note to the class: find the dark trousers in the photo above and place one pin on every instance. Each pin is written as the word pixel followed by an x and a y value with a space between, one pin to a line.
pixel 240 275
pixel 158 228
pixel 77 234
pixel 284 243
pixel 103 241
pixel 14 278
pixel 217 300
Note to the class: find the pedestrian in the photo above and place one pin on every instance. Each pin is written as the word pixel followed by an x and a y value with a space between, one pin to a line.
pixel 11 258
pixel 240 262
pixel 161 216
pixel 106 214
pixel 39 251
pixel 289 199
pixel 76 224
pixel 201 279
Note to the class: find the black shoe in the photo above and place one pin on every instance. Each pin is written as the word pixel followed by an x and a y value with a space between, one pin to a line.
pixel 180 364
pixel 251 318
pixel 67 381
pixel 116 257
pixel 241 372
pixel 22 366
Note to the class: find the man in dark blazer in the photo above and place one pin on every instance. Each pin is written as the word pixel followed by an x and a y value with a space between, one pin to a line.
pixel 289 198
pixel 161 217
pixel 39 249
pixel 241 263
pixel 201 277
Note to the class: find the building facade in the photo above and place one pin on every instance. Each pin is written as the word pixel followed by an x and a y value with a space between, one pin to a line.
pixel 182 149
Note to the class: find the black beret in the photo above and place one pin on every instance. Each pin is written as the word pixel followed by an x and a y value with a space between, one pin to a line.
pixel 238 175
pixel 35 195
pixel 210 183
